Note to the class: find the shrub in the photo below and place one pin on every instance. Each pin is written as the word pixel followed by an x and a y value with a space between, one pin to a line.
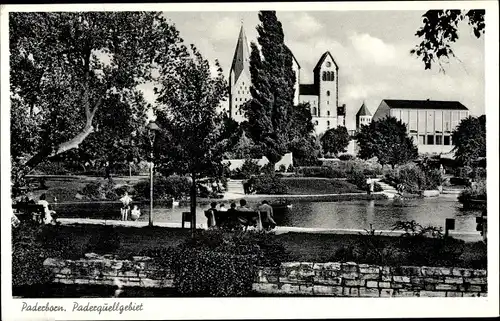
pixel 52 168
pixel 358 178
pixel 377 187
pixel 282 168
pixel 108 240
pixel 165 188
pixel 217 263
pixel 346 157
pixel 290 169
pixel 474 192
pixel 31 245
pixel 322 171
pixel 28 256
pixel 250 168
pixel 268 184
pixel 99 190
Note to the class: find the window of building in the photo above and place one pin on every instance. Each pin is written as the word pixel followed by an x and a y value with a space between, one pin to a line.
pixel 439 140
pixel 328 102
pixel 243 83
pixel 414 138
pixel 447 140
pixel 328 64
pixel 421 121
pixel 238 92
pixel 421 139
pixel 328 93
pixel 314 111
pixel 447 121
pixel 328 113
pixel 328 123
pixel 454 119
pixel 438 121
pixel 430 139
pixel 316 123
pixel 328 76
pixel 430 121
pixel 413 121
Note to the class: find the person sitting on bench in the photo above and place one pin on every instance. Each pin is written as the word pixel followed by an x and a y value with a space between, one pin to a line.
pixel 48 214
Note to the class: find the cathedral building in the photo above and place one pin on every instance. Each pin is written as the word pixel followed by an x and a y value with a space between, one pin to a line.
pixel 322 95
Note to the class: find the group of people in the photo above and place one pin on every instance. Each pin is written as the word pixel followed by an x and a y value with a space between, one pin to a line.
pixel 135 213
pixel 49 215
pixel 264 220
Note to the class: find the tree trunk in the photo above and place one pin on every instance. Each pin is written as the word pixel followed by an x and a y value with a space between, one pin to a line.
pixel 193 207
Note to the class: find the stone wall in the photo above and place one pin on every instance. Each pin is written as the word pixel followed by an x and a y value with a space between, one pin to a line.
pixel 292 278
pixel 363 280
pixel 141 271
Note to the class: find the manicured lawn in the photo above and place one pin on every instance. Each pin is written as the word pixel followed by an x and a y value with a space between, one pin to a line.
pixel 313 186
pixel 305 247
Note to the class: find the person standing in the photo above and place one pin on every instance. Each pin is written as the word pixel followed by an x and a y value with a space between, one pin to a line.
pixel 126 200
pixel 369 185
pixel 268 221
pixel 210 214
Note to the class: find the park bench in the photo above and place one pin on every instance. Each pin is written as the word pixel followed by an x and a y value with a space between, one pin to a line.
pixel 26 211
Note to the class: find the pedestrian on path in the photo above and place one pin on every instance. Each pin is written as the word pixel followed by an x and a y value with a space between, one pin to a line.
pixel 126 200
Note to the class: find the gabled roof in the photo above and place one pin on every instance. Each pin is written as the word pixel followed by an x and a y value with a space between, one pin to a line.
pixel 293 56
pixel 425 104
pixel 241 55
pixel 322 59
pixel 308 89
pixel 363 111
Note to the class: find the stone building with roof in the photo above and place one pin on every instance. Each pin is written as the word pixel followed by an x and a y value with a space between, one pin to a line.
pixel 429 122
pixel 322 95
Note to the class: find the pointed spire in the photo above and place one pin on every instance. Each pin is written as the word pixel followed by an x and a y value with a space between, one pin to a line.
pixel 363 111
pixel 241 54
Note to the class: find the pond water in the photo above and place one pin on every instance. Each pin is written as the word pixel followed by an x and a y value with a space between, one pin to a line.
pixel 382 214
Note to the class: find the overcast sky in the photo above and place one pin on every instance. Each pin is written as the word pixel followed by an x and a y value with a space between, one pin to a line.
pixel 371 48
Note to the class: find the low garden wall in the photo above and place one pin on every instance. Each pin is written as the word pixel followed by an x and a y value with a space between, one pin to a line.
pixel 291 278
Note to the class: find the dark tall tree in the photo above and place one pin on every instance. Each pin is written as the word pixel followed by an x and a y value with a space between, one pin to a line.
pixel 193 141
pixel 269 111
pixel 386 139
pixel 66 68
pixel 440 31
pixel 303 143
pixel 469 139
pixel 335 140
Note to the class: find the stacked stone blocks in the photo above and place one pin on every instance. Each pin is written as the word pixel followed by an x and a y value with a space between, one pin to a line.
pixel 291 278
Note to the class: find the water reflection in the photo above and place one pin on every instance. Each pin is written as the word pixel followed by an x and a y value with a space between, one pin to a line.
pixel 382 214
pixel 356 214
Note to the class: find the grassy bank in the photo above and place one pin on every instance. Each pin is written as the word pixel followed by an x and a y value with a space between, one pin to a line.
pixel 314 186
pixel 77 240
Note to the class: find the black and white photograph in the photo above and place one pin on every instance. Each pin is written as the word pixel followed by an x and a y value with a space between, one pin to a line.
pixel 157 155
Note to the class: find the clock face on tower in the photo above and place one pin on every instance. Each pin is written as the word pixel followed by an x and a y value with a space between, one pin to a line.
pixel 328 64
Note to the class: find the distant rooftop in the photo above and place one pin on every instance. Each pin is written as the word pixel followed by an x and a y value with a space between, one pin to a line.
pixel 425 104
pixel 363 111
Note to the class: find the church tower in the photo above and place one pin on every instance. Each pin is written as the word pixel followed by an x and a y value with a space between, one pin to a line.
pixel 363 116
pixel 239 78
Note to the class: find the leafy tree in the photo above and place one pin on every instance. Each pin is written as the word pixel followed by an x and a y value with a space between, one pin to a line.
pixel 192 141
pixel 335 140
pixel 469 139
pixel 387 140
pixel 66 68
pixel 303 143
pixel 272 90
pixel 440 31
